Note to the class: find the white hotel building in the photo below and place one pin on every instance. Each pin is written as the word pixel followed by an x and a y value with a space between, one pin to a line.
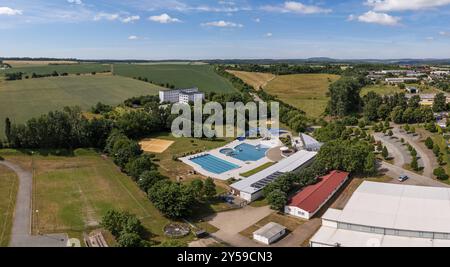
pixel 181 95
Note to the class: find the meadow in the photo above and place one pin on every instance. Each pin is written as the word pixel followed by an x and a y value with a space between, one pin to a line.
pixel 256 79
pixel 24 99
pixel 386 89
pixel 68 68
pixel 307 92
pixel 8 189
pixel 179 75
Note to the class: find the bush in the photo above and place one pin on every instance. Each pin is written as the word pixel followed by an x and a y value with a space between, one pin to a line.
pixel 429 143
pixel 440 173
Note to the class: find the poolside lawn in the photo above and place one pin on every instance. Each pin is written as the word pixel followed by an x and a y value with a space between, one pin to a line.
pixel 256 170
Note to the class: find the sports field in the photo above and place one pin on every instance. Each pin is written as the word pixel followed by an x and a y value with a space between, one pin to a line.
pixel 21 100
pixel 256 79
pixel 305 91
pixel 8 189
pixel 69 68
pixel 179 75
pixel 73 193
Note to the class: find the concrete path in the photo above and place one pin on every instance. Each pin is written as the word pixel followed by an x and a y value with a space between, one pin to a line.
pixel 400 155
pixel 231 223
pixel 21 230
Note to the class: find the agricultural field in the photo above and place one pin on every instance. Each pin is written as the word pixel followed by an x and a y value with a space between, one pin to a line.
pixel 385 89
pixel 307 92
pixel 69 68
pixel 24 99
pixel 8 190
pixel 26 63
pixel 179 75
pixel 256 79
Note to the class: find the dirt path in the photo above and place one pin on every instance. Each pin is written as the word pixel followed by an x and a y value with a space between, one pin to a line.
pixel 21 230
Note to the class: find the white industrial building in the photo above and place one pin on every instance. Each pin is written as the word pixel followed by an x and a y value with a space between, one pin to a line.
pixel 401 80
pixel 251 188
pixel 388 215
pixel 181 95
pixel 270 233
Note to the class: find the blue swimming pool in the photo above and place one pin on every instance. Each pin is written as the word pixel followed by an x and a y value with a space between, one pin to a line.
pixel 214 164
pixel 246 152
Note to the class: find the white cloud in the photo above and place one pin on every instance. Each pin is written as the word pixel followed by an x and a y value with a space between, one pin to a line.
pixel 76 2
pixel 257 20
pixel 133 37
pixel 130 19
pixel 106 16
pixel 164 19
pixel 9 11
pixel 430 38
pixel 401 5
pixel 268 35
pixel 444 33
pixel 222 24
pixel 296 7
pixel 376 18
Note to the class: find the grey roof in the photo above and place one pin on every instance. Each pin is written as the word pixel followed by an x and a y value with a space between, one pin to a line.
pixel 270 230
pixel 252 184
pixel 402 207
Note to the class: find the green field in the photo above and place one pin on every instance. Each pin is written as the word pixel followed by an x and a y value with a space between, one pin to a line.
pixel 8 190
pixel 385 89
pixel 21 100
pixel 179 75
pixel 73 193
pixel 307 92
pixel 69 68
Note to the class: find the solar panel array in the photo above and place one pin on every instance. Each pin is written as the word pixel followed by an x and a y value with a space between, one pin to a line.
pixel 264 182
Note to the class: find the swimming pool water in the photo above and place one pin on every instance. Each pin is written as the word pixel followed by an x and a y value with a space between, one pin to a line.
pixel 214 164
pixel 246 152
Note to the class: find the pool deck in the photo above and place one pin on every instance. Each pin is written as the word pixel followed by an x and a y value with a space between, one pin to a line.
pixel 235 173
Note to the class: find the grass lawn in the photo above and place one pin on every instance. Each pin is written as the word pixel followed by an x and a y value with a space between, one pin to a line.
pixel 179 75
pixel 22 100
pixel 28 69
pixel 172 168
pixel 256 170
pixel 381 89
pixel 307 92
pixel 8 190
pixel 289 222
pixel 256 79
pixel 73 193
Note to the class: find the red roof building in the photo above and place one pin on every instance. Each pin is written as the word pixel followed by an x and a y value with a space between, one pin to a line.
pixel 309 201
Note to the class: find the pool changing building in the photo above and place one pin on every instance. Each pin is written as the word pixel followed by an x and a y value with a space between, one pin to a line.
pixel 251 188
pixel 388 215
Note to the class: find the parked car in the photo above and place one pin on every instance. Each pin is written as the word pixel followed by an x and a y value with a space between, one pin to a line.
pixel 403 178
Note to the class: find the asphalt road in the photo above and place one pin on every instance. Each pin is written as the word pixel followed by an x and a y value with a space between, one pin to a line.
pixel 414 178
pixel 21 230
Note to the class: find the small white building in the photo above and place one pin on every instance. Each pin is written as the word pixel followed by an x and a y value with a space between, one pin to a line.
pixel 270 233
pixel 401 80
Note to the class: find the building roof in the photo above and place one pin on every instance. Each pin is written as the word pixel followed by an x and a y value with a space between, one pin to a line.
pixel 295 161
pixel 270 230
pixel 312 197
pixel 400 207
pixel 309 142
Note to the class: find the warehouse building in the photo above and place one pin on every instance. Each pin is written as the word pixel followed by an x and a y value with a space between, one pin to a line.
pixel 312 198
pixel 251 188
pixel 388 215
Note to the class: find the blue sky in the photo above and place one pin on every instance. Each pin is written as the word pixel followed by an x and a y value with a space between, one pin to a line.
pixel 200 29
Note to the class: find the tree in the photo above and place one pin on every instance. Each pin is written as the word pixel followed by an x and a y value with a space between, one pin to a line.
pixel 135 167
pixel 440 103
pixel 209 188
pixel 385 153
pixel 413 152
pixel 8 129
pixel 440 173
pixel 379 146
pixel 149 178
pixel 173 199
pixel 345 97
pixel 436 150
pixel 429 143
pixel 414 164
pixel 370 164
pixel 277 200
pixel 390 133
pixel 129 240
pixel 414 102
pixel 197 186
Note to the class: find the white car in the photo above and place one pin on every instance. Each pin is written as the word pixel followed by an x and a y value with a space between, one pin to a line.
pixel 403 178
